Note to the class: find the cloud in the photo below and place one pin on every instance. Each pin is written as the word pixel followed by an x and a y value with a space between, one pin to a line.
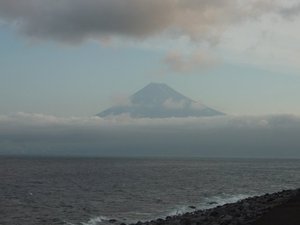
pixel 197 106
pixel 120 99
pixel 290 12
pixel 172 104
pixel 224 136
pixel 198 60
pixel 77 20
pixel 229 28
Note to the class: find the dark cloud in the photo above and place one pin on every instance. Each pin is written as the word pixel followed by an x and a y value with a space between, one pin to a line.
pixel 290 12
pixel 225 136
pixel 77 20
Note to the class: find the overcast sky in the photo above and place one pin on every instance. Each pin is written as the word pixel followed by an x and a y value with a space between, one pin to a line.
pixel 67 60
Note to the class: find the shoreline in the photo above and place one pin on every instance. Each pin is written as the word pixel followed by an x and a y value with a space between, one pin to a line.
pixel 257 210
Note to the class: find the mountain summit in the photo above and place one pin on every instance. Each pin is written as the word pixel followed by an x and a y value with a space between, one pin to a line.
pixel 158 100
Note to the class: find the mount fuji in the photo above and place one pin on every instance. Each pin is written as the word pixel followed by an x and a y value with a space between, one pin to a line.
pixel 158 100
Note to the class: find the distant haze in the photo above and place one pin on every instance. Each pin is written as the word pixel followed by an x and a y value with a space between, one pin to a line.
pixel 274 136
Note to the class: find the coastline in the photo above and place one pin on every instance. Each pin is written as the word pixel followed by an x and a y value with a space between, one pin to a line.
pixel 258 210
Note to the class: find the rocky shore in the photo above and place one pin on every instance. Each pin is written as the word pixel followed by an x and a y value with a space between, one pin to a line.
pixel 260 210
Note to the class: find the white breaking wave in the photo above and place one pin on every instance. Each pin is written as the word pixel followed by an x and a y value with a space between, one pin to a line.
pixel 96 220
pixel 208 203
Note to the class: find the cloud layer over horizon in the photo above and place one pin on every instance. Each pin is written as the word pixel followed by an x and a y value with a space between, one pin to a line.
pixel 270 136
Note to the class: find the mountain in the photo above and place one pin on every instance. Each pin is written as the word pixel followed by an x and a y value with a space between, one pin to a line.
pixel 158 100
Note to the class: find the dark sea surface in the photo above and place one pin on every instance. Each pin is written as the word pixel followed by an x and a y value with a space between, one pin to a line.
pixel 37 191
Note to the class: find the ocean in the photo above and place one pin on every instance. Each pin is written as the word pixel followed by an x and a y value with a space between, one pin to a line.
pixel 92 191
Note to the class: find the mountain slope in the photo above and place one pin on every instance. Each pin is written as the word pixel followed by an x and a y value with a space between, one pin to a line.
pixel 158 100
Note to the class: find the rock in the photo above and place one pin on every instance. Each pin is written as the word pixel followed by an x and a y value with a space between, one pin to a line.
pixel 226 220
pixel 214 213
pixel 185 221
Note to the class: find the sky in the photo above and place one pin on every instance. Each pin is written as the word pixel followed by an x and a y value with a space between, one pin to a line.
pixel 73 58
pixel 68 60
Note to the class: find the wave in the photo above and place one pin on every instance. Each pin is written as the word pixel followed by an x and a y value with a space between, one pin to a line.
pixel 207 203
pixel 93 221
pixel 96 220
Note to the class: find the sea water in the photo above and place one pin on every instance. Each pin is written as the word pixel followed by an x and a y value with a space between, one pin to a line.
pixel 90 191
